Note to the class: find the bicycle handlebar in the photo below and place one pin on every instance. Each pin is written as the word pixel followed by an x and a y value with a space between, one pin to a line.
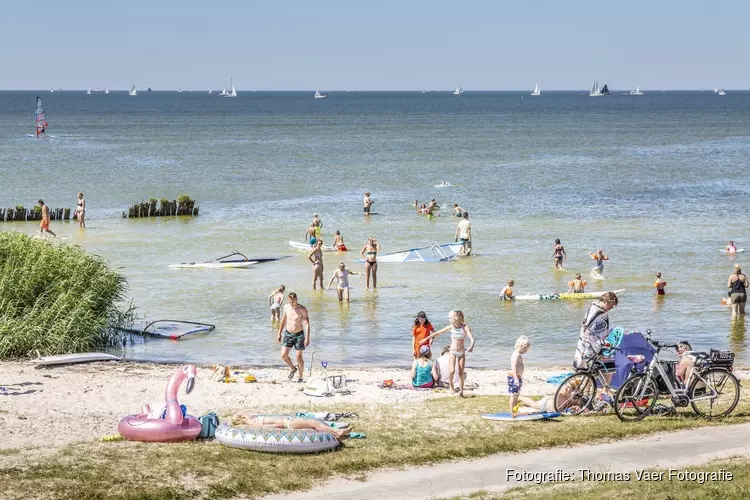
pixel 656 343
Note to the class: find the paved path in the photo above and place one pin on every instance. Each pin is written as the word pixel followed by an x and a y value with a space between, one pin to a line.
pixel 675 449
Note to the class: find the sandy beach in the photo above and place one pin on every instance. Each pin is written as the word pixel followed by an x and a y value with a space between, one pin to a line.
pixel 50 407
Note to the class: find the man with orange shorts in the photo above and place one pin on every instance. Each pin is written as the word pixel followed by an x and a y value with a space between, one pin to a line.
pixel 44 225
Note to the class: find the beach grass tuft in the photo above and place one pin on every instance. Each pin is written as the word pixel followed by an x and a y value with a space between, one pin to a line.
pixel 56 299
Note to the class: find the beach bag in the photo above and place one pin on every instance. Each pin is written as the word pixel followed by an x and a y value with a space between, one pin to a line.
pixel 209 423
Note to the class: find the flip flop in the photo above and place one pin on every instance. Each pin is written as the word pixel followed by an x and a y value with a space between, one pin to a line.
pixel 291 373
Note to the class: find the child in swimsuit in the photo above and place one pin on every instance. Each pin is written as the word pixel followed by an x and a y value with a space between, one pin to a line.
pixel 507 292
pixel 731 248
pixel 457 358
pixel 577 285
pixel 275 300
pixel 515 376
pixel 659 284
pixel 599 257
pixel 338 242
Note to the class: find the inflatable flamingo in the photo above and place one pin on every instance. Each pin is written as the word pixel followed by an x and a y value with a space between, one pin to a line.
pixel 175 426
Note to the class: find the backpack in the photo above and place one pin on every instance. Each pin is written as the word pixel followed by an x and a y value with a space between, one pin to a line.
pixel 209 423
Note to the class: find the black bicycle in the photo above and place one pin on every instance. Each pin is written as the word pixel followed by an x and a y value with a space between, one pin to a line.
pixel 711 388
pixel 577 393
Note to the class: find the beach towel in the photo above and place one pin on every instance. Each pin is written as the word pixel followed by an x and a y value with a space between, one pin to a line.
pixel 557 379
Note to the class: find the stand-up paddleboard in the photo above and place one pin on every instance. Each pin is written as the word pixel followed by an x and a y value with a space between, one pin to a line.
pixel 305 247
pixel 539 415
pixel 736 251
pixel 219 263
pixel 167 328
pixel 68 359
pixel 565 296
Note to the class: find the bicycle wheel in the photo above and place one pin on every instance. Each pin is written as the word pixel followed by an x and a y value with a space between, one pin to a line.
pixel 717 397
pixel 635 398
pixel 575 394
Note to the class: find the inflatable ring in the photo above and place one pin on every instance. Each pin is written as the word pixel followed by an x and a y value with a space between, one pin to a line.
pixel 277 440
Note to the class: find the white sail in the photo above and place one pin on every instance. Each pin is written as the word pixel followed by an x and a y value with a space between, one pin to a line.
pixel 595 90
pixel 721 92
pixel 459 90
pixel 223 92
pixel 88 92
pixel 210 91
pixel 536 90
pixel 637 91
pixel 233 92
pixel 179 90
pixel 132 90
pixel 318 95
pixel 106 91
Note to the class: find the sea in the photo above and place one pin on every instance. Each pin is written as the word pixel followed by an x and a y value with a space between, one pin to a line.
pixel 658 181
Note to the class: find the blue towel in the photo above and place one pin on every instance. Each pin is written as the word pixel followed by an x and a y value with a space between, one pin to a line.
pixel 557 379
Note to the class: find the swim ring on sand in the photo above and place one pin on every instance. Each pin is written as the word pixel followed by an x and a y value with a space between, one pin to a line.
pixel 277 440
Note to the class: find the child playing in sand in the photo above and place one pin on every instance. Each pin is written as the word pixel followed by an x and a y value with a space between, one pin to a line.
pixel 515 376
pixel 659 284
pixel 275 300
pixel 507 292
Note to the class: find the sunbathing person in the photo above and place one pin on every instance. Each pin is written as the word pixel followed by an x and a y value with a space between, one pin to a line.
pixel 547 402
pixel 289 422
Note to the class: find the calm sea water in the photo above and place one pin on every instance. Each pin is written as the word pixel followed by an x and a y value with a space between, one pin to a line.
pixel 658 181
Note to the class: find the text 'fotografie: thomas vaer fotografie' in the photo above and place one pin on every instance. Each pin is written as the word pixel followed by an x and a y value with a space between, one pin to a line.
pixel 700 477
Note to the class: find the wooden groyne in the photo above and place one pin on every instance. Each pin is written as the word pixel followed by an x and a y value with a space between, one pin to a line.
pixel 22 214
pixel 183 205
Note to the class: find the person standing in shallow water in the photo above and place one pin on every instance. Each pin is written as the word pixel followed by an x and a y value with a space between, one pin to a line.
pixel 558 253
pixel 81 211
pixel 367 203
pixel 737 284
pixel 295 327
pixel 316 257
pixel 463 232
pixel 44 225
pixel 369 252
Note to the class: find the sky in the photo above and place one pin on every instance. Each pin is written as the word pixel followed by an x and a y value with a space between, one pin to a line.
pixel 375 45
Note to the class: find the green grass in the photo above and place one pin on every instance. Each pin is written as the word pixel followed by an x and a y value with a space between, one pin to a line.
pixel 55 299
pixel 397 436
pixel 736 489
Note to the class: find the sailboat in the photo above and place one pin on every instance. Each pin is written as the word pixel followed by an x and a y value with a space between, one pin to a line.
pixel 39 118
pixel 318 95
pixel 536 90
pixel 210 91
pixel 233 92
pixel 459 90
pixel 424 91
pixel 721 92
pixel 148 89
pixel 716 90
pixel 223 93
pixel 133 91
pixel 596 91
pixel 637 91
pixel 51 90
pixel 88 92
pixel 179 90
pixel 106 91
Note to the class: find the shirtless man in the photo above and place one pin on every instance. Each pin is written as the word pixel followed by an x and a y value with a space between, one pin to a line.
pixel 367 203
pixel 295 326
pixel 341 275
pixel 44 226
pixel 369 252
pixel 316 257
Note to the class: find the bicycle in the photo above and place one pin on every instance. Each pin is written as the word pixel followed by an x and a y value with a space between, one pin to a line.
pixel 577 392
pixel 711 378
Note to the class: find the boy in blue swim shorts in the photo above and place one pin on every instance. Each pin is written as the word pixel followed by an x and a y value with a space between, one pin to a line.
pixel 515 375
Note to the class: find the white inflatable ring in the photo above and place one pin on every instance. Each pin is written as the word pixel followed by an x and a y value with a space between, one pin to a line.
pixel 277 440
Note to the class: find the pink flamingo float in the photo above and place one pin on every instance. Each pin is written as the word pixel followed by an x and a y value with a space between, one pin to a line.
pixel 175 426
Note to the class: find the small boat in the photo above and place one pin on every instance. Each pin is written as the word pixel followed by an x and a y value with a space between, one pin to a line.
pixel 432 253
pixel 167 328
pixel 716 90
pixel 536 90
pixel 318 95
pixel 596 91
pixel 148 89
pixel 637 91
pixel 564 296
pixel 106 91
pixel 210 91
pixel 221 262
pixel 133 91
pixel 98 89
pixel 306 247
pixel 424 91
pixel 459 90
pixel 233 92
pixel 223 92
pixel 88 92
pixel 721 92
pixel 51 90
pixel 179 90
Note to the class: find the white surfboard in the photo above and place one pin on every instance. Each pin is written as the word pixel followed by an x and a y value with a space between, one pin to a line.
pixel 307 248
pixel 67 359
pixel 736 251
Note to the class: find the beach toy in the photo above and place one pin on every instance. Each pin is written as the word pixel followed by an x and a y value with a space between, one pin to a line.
pixel 176 424
pixel 277 440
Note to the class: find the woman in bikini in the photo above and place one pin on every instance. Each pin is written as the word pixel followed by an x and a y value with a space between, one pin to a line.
pixel 81 211
pixel 316 257
pixel 559 254
pixel 457 356
pixel 369 252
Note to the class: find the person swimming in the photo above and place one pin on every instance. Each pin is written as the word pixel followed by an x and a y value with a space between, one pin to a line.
pixel 457 210
pixel 731 247
pixel 507 292
pixel 577 285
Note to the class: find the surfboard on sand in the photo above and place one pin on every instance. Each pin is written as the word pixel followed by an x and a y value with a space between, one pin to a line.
pixel 68 359
pixel 537 415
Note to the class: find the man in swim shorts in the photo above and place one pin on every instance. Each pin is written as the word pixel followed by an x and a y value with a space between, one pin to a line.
pixel 367 203
pixel 44 225
pixel 295 327
pixel 463 231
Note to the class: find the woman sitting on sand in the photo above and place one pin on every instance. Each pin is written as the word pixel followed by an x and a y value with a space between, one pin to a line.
pixel 424 371
pixel 294 423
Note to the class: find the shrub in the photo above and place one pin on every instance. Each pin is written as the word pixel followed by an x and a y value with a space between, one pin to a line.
pixel 183 198
pixel 56 299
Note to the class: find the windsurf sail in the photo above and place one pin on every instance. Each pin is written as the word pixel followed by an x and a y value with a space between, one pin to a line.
pixel 39 117
pixel 432 253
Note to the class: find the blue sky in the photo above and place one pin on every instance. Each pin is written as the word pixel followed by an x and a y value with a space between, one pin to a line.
pixel 379 45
